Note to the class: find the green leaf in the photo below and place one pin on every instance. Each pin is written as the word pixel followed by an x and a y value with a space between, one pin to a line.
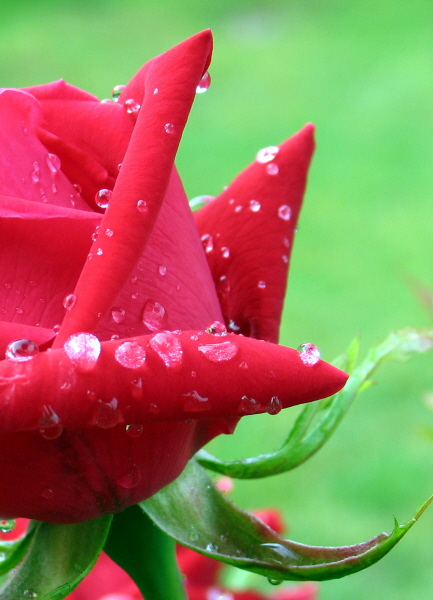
pixel 13 552
pixel 56 559
pixel 318 420
pixel 146 553
pixel 197 515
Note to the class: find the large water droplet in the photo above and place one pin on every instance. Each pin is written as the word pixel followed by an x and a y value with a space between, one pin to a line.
pixel 217 328
pixel 21 350
pixel 116 91
pixel 193 402
pixel 285 212
pixel 83 349
pixel 69 301
pixel 107 414
pixel 168 348
pixel 207 240
pixel 219 352
pixel 169 128
pixel 266 155
pixel 103 197
pixel 134 430
pixel 130 355
pixel 154 315
pixel 309 354
pixel 53 162
pixel 254 205
pixel 118 314
pixel 203 84
pixel 131 478
pixel 250 405
pixel 274 406
pixel 7 525
pixel 132 106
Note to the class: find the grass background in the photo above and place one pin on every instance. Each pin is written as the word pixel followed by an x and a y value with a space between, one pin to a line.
pixel 362 72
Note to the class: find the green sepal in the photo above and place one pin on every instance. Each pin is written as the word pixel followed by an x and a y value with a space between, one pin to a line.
pixel 318 420
pixel 193 512
pixel 55 559
pixel 146 553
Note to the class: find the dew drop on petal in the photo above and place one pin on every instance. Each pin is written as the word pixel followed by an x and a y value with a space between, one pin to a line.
pixel 116 91
pixel 136 388
pixel 134 430
pixel 203 84
pixel 47 494
pixel 118 314
pixel 238 209
pixel 154 315
pixel 99 252
pixel 169 128
pixel 272 169
pixel 133 280
pixel 225 252
pixel 49 424
pixel 217 328
pixel 219 352
pixel 132 106
pixel 309 354
pixel 36 173
pixel 7 525
pixel 130 355
pixel 83 349
pixel 249 405
pixel 194 337
pixel 21 350
pixel 261 285
pixel 254 205
pixel 168 348
pixel 286 242
pixel 193 402
pixel 107 414
pixel 142 206
pixel 53 162
pixel 285 258
pixel 109 233
pixel 285 212
pixel 155 91
pixel 54 188
pixel 131 478
pixel 103 197
pixel 162 270
pixel 199 201
pixel 207 240
pixel 266 155
pixel 274 406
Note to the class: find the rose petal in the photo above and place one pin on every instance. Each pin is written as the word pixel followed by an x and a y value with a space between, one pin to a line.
pixel 248 233
pixel 144 176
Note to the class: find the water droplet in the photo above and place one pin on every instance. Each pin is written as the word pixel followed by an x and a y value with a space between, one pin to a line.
pixel 49 424
pixel 142 206
pixel 47 494
pixel 275 581
pixel 212 548
pixel 7 525
pixel 203 84
pixel 250 405
pixel 35 174
pixel 261 285
pixel 238 209
pixel 133 280
pixel 21 350
pixel 168 348
pixel 103 197
pixel 193 402
pixel 199 201
pixel 130 479
pixel 109 233
pixel 254 206
pixel 25 129
pixel 219 352
pixel 225 252
pixel 134 430
pixel 155 91
pixel 132 106
pixel 53 162
pixel 223 286
pixel 99 252
pixel 207 240
pixel 162 270
pixel 285 212
pixel 69 301
pixel 217 328
pixel 169 128
pixel 83 349
pixel 154 315
pixel 134 296
pixel 19 310
pixel 118 314
pixel 153 409
pixel 130 355
pixel 193 536
pixel 266 155
pixel 194 337
pixel 232 325
pixel 309 354
pixel 30 594
pixel 272 169
pixel 107 414
pixel 286 242
pixel 285 258
pixel 54 188
pixel 274 406
pixel 116 91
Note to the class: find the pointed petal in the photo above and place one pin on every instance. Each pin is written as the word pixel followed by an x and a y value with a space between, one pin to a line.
pixel 144 176
pixel 167 376
pixel 248 232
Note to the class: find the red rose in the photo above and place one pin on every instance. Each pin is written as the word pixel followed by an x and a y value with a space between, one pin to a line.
pixel 89 428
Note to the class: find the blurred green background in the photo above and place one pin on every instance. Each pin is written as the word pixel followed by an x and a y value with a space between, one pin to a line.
pixel 363 73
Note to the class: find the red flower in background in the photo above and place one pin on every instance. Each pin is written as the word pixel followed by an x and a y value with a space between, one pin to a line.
pixel 133 386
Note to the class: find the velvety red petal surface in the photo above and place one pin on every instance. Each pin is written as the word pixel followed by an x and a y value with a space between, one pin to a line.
pixel 247 234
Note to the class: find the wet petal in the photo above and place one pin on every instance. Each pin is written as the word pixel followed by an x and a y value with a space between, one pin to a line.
pixel 248 234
